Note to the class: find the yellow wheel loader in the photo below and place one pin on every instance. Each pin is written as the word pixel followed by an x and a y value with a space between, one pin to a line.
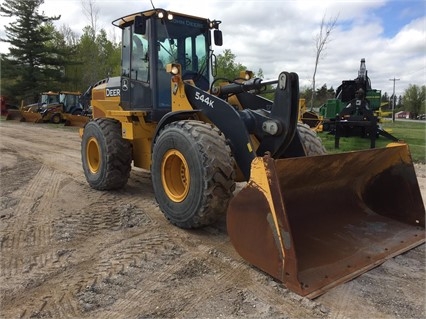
pixel 308 219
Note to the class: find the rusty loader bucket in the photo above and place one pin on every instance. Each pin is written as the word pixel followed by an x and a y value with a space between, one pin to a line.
pixel 13 115
pixel 315 222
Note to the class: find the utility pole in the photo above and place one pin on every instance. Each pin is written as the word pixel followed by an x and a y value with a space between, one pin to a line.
pixel 394 98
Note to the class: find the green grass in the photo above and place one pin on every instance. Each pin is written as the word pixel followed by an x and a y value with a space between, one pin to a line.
pixel 413 133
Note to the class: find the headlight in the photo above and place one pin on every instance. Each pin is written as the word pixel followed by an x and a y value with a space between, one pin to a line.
pixel 175 70
pixel 172 68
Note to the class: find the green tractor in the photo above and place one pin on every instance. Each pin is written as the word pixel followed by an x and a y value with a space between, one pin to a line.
pixel 353 112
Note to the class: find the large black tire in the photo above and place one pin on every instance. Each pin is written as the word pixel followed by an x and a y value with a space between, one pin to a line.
pixel 311 142
pixel 105 155
pixel 192 173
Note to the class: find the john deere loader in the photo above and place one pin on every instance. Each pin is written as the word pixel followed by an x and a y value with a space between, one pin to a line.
pixel 308 219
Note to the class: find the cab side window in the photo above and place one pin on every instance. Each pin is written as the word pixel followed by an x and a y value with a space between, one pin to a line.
pixel 140 61
pixel 125 53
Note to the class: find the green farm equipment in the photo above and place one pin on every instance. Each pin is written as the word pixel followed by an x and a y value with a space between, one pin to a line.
pixel 353 112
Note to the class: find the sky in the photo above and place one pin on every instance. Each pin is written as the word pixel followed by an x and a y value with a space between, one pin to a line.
pixel 279 35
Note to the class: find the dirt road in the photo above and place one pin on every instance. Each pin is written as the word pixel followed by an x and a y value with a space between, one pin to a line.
pixel 68 251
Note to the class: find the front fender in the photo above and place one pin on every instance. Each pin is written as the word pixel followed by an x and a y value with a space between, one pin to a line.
pixel 172 117
pixel 228 120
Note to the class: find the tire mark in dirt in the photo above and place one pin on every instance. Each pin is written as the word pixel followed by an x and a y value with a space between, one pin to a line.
pixel 51 306
pixel 181 240
pixel 79 279
pixel 196 262
pixel 99 216
pixel 251 282
pixel 343 296
pixel 20 242
pixel 31 196
pixel 92 227
pixel 49 151
pixel 29 256
pixel 105 218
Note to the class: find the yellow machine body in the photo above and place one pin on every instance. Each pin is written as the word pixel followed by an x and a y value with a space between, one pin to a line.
pixel 75 120
pixel 310 118
pixel 311 222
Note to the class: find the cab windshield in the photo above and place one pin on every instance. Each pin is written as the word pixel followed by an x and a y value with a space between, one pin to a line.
pixel 49 98
pixel 184 40
pixel 69 100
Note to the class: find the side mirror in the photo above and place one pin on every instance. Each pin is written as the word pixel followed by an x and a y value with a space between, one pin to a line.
pixel 140 25
pixel 217 34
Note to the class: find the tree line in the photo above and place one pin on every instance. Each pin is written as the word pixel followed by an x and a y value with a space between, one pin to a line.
pixel 42 58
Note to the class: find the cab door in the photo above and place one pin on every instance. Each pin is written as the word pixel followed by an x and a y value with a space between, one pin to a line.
pixel 135 83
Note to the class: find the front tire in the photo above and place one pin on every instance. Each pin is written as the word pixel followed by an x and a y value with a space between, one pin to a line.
pixel 192 173
pixel 105 155
pixel 312 144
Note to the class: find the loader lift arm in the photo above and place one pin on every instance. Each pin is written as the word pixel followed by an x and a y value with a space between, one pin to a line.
pixel 274 127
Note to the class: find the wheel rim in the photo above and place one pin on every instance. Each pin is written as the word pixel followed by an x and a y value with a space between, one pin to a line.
pixel 56 119
pixel 93 155
pixel 175 175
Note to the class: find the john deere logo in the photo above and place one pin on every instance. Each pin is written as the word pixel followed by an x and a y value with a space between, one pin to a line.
pixel 112 92
pixel 124 85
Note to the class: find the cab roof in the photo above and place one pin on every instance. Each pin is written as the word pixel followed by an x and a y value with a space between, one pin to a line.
pixel 125 20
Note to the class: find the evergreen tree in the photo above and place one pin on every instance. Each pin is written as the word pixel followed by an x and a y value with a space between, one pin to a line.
pixel 88 53
pixel 321 95
pixel 399 103
pixel 68 40
pixel 32 64
pixel 385 99
pixel 98 57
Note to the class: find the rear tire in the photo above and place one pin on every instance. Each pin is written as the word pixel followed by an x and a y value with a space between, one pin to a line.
pixel 105 155
pixel 56 118
pixel 192 173
pixel 311 142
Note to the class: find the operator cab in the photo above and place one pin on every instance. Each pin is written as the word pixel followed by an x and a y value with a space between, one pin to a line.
pixel 49 98
pixel 150 41
pixel 70 101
